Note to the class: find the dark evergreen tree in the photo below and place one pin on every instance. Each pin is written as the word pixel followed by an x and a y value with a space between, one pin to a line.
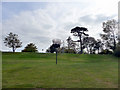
pixel 80 32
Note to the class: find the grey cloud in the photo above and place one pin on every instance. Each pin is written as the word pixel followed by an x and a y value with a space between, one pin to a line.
pixel 102 18
pixel 47 26
pixel 41 39
pixel 86 19
pixel 98 19
pixel 70 25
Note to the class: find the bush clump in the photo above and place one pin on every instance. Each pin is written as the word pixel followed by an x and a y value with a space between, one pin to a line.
pixel 106 51
pixel 117 52
pixel 70 51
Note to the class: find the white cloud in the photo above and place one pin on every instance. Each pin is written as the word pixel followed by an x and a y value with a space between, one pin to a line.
pixel 55 21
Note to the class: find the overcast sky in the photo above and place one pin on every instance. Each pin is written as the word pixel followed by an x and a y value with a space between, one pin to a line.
pixel 40 22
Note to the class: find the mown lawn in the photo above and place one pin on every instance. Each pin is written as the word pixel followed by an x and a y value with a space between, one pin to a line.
pixel 35 70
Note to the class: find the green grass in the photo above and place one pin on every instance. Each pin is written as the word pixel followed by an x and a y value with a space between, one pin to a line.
pixel 34 70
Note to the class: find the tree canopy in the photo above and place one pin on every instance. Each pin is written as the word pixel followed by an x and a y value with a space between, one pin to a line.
pixel 12 41
pixel 110 34
pixel 30 48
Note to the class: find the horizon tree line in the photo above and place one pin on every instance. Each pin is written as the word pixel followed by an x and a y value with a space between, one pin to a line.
pixel 87 44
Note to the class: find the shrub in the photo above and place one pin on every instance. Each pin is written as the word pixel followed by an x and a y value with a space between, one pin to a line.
pixel 117 52
pixel 70 51
pixel 106 51
pixel 30 48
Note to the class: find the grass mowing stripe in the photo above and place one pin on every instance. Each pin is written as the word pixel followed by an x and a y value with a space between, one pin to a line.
pixel 34 70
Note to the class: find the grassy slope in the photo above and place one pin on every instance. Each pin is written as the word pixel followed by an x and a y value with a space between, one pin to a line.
pixel 30 70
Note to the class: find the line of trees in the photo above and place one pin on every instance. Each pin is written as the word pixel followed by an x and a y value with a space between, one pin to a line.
pixel 108 43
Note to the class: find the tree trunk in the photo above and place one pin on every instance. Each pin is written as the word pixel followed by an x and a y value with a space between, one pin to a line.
pixel 81 45
pixel 98 50
pixel 68 46
pixel 87 50
pixel 114 44
pixel 90 50
pixel 13 49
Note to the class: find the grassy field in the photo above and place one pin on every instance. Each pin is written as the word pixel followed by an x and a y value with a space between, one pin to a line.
pixel 34 70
